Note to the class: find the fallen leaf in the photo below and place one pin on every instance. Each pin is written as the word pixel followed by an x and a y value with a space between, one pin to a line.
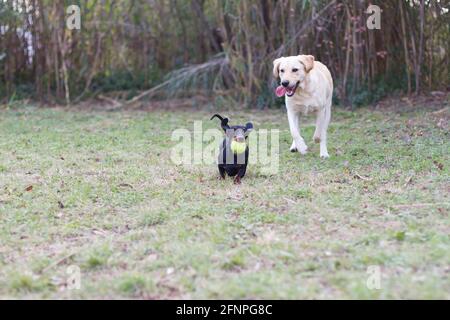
pixel 99 232
pixel 442 123
pixel 361 177
pixel 127 185
pixel 170 270
pixel 408 180
pixel 439 165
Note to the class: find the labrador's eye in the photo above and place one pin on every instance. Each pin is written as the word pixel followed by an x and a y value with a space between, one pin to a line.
pixel 282 70
pixel 294 70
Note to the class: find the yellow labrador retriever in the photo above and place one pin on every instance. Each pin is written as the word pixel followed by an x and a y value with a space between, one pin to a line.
pixel 307 86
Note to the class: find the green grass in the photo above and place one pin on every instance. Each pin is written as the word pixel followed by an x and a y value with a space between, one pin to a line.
pixel 98 190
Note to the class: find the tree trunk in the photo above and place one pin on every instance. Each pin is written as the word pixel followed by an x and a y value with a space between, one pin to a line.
pixel 420 60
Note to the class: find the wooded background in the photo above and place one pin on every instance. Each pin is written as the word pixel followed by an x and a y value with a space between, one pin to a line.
pixel 222 49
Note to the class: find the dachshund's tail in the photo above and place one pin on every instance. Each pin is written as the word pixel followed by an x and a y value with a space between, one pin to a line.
pixel 217 116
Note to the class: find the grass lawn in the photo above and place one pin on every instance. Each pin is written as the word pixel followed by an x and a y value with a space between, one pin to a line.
pixel 97 190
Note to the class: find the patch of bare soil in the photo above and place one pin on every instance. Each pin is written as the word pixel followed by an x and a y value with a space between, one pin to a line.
pixel 118 102
pixel 436 101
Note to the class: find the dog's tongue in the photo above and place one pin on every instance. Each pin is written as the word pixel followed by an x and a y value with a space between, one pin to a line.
pixel 280 91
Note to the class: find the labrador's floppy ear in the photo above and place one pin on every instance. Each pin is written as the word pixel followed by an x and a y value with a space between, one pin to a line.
pixel 307 61
pixel 276 66
pixel 248 127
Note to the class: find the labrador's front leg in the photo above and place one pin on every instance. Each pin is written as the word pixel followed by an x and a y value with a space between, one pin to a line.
pixel 298 142
pixel 320 135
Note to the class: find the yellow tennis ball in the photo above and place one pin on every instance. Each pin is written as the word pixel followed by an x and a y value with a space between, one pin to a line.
pixel 238 147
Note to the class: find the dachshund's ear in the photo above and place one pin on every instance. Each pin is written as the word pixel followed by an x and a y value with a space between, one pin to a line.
pixel 248 127
pixel 276 66
pixel 224 124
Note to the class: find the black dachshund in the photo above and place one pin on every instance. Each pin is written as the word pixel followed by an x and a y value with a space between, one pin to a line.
pixel 233 155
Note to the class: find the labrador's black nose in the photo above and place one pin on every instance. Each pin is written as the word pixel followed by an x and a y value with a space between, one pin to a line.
pixel 285 83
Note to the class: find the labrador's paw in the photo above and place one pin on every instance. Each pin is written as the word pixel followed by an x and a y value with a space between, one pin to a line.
pixel 324 155
pixel 303 149
pixel 293 147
